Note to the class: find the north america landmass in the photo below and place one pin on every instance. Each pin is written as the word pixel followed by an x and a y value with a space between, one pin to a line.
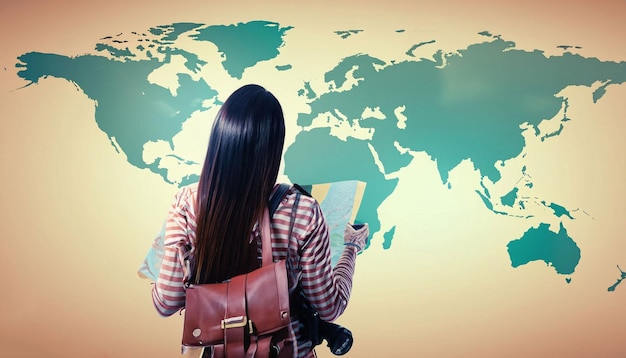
pixel 475 104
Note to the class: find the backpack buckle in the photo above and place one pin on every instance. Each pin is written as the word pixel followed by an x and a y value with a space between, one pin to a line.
pixel 234 322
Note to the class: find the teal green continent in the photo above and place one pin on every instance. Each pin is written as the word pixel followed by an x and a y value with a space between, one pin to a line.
pixel 129 109
pixel 468 105
pixel 318 157
pixel 557 250
pixel 245 44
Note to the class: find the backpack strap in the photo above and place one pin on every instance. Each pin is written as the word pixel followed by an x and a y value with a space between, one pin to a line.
pixel 278 195
pixel 306 190
pixel 266 239
pixel 275 199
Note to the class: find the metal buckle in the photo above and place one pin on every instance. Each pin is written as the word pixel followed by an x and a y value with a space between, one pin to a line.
pixel 234 322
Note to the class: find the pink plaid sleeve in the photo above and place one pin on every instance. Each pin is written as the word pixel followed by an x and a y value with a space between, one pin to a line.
pixel 327 288
pixel 168 292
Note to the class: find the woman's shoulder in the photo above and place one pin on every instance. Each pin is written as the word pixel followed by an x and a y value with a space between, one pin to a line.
pixel 189 190
pixel 186 196
pixel 297 201
pixel 298 216
pixel 297 195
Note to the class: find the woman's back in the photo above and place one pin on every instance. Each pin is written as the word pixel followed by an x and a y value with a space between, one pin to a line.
pixel 299 233
pixel 214 223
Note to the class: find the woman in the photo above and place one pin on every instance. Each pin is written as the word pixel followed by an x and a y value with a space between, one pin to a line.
pixel 218 217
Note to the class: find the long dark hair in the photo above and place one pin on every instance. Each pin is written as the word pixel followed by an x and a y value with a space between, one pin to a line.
pixel 239 173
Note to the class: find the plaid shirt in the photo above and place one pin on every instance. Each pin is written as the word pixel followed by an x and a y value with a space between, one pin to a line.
pixel 307 249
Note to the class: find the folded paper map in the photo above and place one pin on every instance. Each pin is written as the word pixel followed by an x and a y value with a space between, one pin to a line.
pixel 339 202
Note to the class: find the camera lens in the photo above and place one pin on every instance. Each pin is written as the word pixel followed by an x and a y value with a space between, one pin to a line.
pixel 339 338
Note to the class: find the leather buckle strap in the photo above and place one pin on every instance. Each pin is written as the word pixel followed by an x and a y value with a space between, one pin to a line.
pixel 236 322
pixel 237 319
pixel 266 238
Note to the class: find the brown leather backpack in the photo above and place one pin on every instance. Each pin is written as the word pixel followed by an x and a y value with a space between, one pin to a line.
pixel 247 316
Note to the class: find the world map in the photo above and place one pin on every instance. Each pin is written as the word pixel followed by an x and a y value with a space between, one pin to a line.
pixel 479 104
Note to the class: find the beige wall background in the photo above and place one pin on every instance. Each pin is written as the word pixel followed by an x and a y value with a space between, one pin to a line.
pixel 77 219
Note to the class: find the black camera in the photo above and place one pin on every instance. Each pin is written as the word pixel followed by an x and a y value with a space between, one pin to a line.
pixel 338 337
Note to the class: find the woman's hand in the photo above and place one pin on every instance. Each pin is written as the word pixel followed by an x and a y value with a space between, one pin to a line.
pixel 356 235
